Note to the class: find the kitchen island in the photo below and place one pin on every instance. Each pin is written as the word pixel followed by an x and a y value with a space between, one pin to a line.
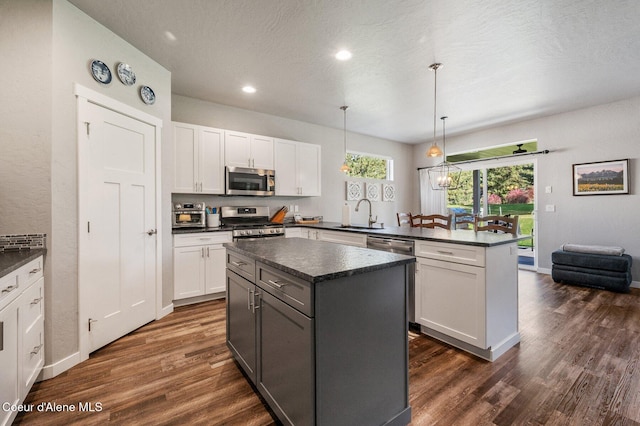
pixel 320 329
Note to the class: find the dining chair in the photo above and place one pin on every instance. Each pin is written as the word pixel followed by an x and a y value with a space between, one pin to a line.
pixel 463 220
pixel 404 219
pixel 496 223
pixel 432 221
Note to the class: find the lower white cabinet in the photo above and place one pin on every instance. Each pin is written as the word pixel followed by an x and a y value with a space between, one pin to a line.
pixel 32 331
pixel 21 334
pixel 451 299
pixel 199 264
pixel 9 362
pixel 294 233
pixel 341 237
pixel 468 295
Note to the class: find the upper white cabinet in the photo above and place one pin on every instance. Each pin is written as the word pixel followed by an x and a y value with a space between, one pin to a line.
pixel 198 153
pixel 297 167
pixel 247 150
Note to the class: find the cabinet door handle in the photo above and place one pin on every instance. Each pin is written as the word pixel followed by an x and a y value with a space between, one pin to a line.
pixel 450 253
pixel 208 252
pixel 248 299
pixel 276 283
pixel 35 271
pixel 9 289
pixel 238 264
pixel 36 301
pixel 36 349
pixel 202 250
pixel 256 305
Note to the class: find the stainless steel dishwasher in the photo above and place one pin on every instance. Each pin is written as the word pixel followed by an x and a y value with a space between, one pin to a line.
pixel 396 245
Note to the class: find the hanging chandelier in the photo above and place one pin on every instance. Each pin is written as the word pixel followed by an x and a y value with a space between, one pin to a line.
pixel 444 175
pixel 345 168
pixel 434 150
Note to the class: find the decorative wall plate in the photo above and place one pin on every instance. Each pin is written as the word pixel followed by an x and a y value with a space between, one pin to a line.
pixel 147 95
pixel 388 192
pixel 354 191
pixel 126 74
pixel 373 191
pixel 100 72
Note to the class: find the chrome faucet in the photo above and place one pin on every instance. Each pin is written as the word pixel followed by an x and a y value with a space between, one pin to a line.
pixel 372 220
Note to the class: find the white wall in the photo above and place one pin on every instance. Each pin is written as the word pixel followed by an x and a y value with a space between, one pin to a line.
pixel 601 133
pixel 46 47
pixel 25 117
pixel 329 205
pixel 77 39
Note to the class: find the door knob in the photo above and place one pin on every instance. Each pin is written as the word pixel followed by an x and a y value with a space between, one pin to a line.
pixel 152 231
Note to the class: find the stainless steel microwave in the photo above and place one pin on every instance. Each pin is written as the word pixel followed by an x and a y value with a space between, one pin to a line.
pixel 246 181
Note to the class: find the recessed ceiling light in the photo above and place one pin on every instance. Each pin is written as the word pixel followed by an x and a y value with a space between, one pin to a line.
pixel 249 89
pixel 343 55
pixel 170 36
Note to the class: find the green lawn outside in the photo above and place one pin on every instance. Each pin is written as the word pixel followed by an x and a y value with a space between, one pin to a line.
pixel 523 211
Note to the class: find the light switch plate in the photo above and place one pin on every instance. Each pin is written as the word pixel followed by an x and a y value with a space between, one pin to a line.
pixel 550 207
pixel 548 189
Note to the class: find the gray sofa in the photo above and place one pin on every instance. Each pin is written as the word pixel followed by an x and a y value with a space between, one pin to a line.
pixel 605 271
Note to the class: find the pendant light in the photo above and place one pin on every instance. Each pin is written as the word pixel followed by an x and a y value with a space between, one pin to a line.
pixel 444 175
pixel 434 150
pixel 345 168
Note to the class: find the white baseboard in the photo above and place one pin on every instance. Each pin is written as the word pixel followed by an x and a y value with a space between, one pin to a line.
pixel 165 311
pixel 52 370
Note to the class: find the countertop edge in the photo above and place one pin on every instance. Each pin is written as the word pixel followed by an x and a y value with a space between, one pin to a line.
pixel 322 277
pixel 16 259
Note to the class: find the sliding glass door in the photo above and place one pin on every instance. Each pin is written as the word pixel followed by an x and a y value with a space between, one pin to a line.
pixel 504 187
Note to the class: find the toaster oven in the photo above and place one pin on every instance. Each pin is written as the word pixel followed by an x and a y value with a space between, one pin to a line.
pixel 189 215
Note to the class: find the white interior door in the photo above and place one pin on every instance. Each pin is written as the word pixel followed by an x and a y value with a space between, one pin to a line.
pixel 118 224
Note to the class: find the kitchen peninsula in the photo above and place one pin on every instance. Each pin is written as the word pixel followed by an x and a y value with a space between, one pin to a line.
pixel 320 329
pixel 466 282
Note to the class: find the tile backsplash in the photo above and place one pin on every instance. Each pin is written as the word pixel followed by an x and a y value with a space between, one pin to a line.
pixel 22 242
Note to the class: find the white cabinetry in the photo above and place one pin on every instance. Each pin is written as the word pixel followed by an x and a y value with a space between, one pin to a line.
pixel 8 360
pixel 199 264
pixel 468 295
pixel 341 237
pixel 297 167
pixel 294 233
pixel 21 334
pixel 198 154
pixel 32 331
pixel 247 150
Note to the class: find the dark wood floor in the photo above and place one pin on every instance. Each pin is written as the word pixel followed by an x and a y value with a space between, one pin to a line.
pixel 577 364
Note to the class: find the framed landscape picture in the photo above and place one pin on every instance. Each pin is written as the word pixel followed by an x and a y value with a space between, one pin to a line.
pixel 601 178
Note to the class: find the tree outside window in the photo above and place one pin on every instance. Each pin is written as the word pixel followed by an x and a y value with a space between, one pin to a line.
pixel 369 166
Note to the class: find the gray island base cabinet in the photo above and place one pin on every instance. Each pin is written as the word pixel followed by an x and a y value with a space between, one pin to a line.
pixel 321 330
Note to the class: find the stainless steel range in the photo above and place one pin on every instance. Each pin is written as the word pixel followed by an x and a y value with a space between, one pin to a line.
pixel 250 223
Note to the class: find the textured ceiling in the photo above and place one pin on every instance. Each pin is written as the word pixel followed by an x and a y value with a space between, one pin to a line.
pixel 503 61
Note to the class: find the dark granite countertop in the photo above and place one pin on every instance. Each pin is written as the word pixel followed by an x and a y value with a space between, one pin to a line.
pixel 460 236
pixel 12 260
pixel 317 261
